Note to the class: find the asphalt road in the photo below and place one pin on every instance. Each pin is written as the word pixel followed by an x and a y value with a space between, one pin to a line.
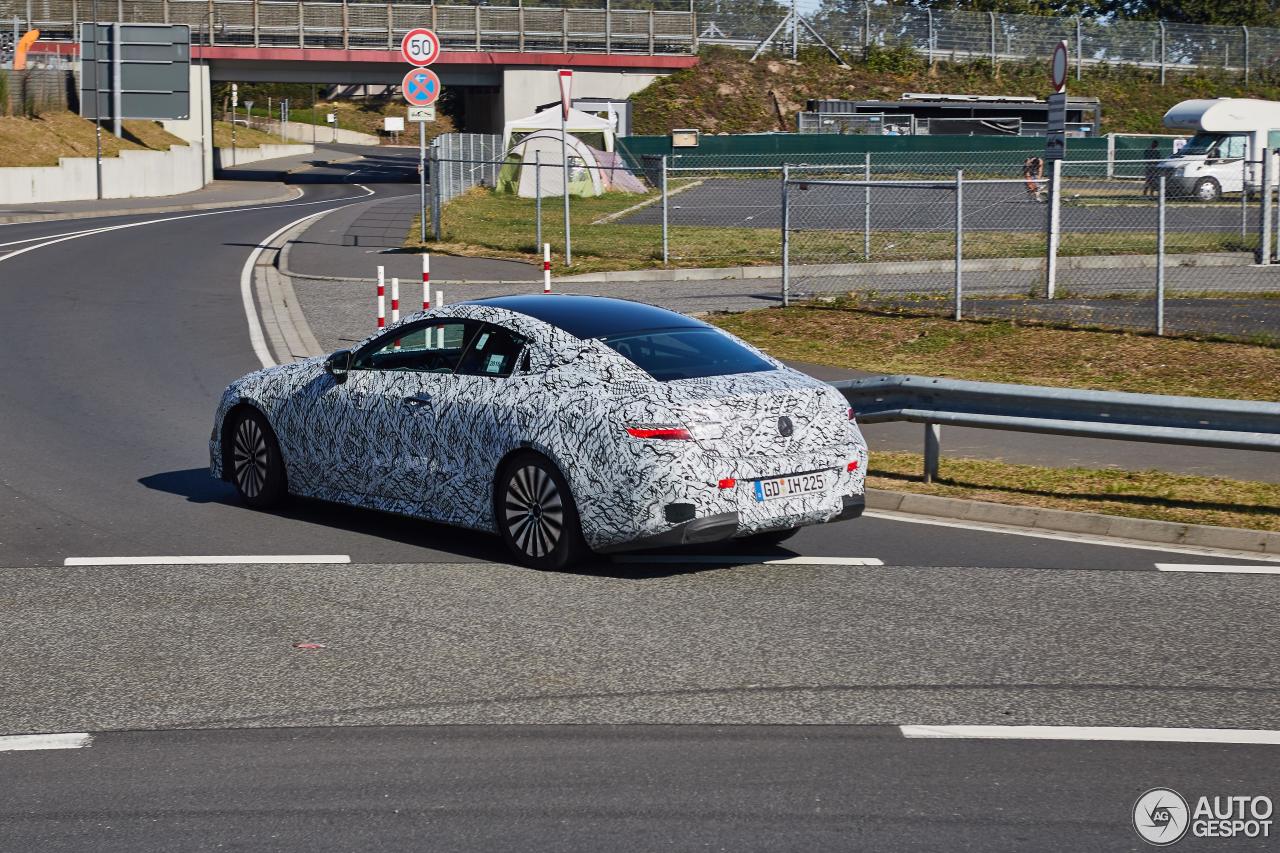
pixel 118 344
pixel 756 203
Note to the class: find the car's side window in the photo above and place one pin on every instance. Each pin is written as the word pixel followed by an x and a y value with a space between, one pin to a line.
pixel 494 351
pixel 433 346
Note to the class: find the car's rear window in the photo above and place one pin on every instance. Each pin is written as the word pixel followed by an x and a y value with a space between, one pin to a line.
pixel 688 353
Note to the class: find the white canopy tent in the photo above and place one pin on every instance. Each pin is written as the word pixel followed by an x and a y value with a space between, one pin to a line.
pixel 594 131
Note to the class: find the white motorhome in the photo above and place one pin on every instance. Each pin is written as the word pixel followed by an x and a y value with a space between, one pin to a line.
pixel 1225 154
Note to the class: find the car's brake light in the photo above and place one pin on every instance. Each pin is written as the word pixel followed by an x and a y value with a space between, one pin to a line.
pixel 661 433
pixel 851 413
pixel 853 466
pixel 727 483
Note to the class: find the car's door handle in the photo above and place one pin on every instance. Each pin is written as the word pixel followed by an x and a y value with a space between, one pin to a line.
pixel 417 401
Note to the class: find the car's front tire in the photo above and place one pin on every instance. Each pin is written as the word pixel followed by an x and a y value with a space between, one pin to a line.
pixel 1207 189
pixel 536 514
pixel 254 464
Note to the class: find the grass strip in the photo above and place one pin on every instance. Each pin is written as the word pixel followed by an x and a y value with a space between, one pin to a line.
pixel 1005 352
pixel 1158 495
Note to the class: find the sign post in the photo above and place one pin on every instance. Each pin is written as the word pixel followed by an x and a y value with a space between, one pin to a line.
pixel 421 47
pixel 566 94
pixel 235 98
pixel 1055 149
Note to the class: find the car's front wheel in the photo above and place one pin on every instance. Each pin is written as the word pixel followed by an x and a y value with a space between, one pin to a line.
pixel 255 464
pixel 1207 189
pixel 536 515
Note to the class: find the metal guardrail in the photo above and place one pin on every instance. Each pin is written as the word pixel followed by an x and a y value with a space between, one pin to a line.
pixel 357 25
pixel 1157 418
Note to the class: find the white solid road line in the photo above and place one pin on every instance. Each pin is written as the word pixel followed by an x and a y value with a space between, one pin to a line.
pixel 1226 570
pixel 1121 733
pixel 256 337
pixel 67 740
pixel 60 238
pixel 260 559
pixel 1083 539
pixel 733 559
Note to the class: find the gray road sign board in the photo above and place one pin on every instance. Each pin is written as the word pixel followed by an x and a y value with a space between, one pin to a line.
pixel 1055 140
pixel 152 71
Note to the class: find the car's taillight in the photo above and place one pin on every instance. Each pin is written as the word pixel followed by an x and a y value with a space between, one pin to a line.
pixel 851 413
pixel 727 483
pixel 852 466
pixel 660 433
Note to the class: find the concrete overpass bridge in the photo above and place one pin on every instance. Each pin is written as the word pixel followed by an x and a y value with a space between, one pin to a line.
pixel 502 57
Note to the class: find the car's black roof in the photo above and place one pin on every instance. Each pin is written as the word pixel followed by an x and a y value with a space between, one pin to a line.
pixel 589 317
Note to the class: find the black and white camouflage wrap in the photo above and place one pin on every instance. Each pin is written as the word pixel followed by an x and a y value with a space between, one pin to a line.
pixel 358 443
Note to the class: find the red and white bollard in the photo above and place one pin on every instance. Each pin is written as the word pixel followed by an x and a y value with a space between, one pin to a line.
pixel 426 282
pixel 382 300
pixel 395 304
pixel 546 267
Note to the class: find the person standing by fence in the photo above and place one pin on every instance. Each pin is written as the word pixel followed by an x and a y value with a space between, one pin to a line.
pixel 1151 170
pixel 1033 174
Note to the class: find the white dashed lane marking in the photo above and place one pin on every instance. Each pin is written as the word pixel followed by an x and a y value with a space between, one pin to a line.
pixel 66 740
pixel 258 559
pixel 735 559
pixel 1122 733
pixel 1273 569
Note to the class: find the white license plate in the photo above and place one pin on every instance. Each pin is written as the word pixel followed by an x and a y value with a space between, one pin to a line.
pixel 790 487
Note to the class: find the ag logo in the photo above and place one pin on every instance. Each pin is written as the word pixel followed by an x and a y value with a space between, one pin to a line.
pixel 785 427
pixel 1160 816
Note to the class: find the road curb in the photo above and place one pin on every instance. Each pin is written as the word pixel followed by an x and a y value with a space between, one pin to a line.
pixel 288 333
pixel 1143 530
pixel 178 208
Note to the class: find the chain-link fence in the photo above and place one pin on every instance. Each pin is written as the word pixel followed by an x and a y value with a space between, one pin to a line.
pixel 465 160
pixel 1146 253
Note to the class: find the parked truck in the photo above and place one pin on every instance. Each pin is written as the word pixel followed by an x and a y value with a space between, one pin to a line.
pixel 1225 154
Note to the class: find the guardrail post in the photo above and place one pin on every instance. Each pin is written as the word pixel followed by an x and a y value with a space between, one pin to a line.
pixel 564 30
pixel 391 28
pixel 608 26
pixel 210 21
pixel 1160 237
pixel 520 21
pixel 786 235
pixel 257 31
pixel 1054 228
pixel 302 26
pixel 1264 242
pixel 932 450
pixel 346 34
pixel 651 40
pixel 663 189
pixel 477 28
pixel 959 287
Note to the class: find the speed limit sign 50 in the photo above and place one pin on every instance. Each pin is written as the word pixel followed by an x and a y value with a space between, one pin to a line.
pixel 420 47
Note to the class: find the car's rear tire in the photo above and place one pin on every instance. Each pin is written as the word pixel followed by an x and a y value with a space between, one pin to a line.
pixel 536 515
pixel 254 464
pixel 768 539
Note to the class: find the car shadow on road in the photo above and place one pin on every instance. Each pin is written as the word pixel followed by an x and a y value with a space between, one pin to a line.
pixel 197 486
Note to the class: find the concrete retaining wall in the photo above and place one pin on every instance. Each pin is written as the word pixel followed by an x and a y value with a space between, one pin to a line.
pixel 303 132
pixel 131 175
pixel 223 157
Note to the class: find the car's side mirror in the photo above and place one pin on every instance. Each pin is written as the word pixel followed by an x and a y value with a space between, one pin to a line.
pixel 337 364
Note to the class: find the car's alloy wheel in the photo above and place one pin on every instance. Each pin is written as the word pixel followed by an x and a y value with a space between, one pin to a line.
pixel 536 514
pixel 254 458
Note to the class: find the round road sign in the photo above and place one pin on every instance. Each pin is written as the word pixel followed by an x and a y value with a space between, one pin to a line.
pixel 421 87
pixel 1058 68
pixel 420 47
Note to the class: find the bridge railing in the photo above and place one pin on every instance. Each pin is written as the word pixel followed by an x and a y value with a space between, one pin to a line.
pixel 378 25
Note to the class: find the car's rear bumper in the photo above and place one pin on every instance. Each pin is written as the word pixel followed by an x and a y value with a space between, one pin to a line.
pixel 726 525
